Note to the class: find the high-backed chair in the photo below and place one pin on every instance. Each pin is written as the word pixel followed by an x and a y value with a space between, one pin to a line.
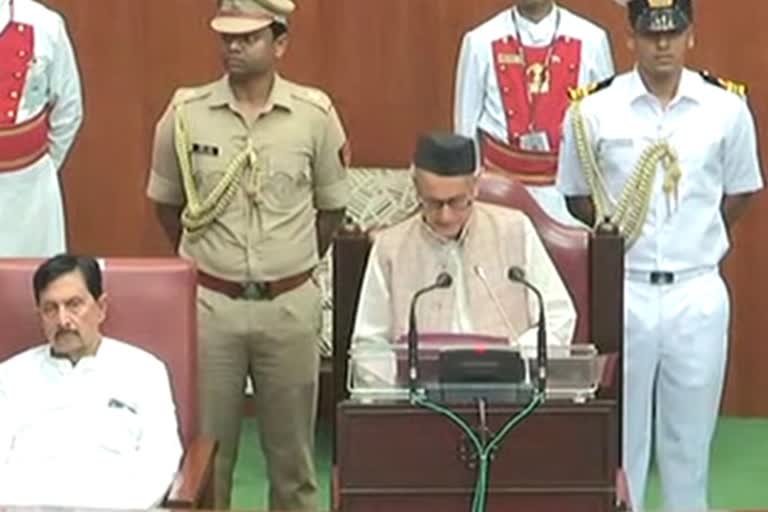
pixel 568 246
pixel 152 304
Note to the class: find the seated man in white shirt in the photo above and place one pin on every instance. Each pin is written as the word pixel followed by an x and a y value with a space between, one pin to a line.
pixel 476 244
pixel 86 421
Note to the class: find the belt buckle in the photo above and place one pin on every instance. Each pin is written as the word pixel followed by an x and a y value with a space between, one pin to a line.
pixel 663 278
pixel 253 290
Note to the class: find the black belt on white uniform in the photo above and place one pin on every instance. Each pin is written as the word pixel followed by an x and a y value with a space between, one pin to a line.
pixel 663 277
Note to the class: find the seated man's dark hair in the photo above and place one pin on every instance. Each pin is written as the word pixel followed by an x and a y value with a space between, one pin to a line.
pixel 62 264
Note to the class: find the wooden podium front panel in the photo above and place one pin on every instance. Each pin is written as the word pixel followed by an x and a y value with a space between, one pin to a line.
pixel 461 501
pixel 399 457
pixel 408 447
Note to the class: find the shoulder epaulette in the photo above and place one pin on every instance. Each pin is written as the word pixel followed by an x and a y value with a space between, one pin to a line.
pixel 730 86
pixel 313 96
pixel 187 94
pixel 579 93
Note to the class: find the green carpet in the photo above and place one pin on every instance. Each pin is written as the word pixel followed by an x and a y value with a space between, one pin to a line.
pixel 739 462
pixel 739 458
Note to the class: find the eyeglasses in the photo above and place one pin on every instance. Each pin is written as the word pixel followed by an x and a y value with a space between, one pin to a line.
pixel 459 203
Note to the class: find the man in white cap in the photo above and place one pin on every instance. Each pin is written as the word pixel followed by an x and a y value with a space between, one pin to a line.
pixel 512 82
pixel 250 170
pixel 40 113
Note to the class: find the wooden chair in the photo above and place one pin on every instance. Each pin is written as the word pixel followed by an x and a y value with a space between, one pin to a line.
pixel 152 303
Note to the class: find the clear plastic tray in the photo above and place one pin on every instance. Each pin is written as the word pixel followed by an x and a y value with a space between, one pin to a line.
pixel 379 372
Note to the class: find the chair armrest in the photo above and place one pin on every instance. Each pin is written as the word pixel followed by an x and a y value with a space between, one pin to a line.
pixel 193 486
pixel 622 491
pixel 608 364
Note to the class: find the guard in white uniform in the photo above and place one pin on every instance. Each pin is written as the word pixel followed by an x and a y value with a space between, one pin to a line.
pixel 669 156
pixel 40 113
pixel 512 82
pixel 85 421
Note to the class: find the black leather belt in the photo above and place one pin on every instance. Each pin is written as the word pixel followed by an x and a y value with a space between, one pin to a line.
pixel 663 277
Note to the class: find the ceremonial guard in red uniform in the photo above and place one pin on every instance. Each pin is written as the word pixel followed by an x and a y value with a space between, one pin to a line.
pixel 512 83
pixel 40 113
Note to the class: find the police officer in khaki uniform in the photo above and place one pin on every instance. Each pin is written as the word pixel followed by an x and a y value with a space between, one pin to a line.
pixel 250 170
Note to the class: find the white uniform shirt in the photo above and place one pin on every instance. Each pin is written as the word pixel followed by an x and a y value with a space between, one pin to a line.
pixel 713 133
pixel 100 434
pixel 478 103
pixel 31 197
pixel 374 325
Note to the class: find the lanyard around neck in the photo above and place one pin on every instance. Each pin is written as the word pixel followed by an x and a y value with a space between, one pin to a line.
pixel 524 59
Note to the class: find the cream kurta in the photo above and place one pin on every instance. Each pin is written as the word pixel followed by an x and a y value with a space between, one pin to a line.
pixel 487 243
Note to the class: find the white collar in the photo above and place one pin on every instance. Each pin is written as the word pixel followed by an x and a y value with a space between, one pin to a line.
pixel 5 13
pixel 64 365
pixel 542 31
pixel 689 87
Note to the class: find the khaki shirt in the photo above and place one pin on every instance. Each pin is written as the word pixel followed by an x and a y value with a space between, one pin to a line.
pixel 268 230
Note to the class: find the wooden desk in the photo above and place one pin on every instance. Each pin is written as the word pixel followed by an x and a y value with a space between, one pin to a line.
pixel 399 457
pixel 64 509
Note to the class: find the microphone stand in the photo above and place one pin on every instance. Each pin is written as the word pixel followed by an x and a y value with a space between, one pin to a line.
pixel 484 443
pixel 443 280
pixel 517 275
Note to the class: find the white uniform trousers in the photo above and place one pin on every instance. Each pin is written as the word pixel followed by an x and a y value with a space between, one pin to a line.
pixel 675 358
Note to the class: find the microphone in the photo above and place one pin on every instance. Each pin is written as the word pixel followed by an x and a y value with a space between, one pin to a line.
pixel 517 275
pixel 444 280
pixel 495 299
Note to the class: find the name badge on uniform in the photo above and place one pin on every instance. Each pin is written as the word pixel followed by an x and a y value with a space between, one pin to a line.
pixel 509 58
pixel 535 141
pixel 205 149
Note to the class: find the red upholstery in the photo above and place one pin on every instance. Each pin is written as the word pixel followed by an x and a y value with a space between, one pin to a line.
pixel 568 246
pixel 151 303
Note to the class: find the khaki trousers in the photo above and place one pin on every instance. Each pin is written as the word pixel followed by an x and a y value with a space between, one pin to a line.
pixel 275 342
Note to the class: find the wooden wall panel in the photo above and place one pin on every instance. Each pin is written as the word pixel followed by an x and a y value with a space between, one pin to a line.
pixel 389 66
